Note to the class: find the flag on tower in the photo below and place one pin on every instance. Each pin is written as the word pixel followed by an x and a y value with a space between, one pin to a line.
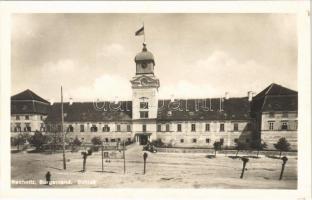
pixel 140 31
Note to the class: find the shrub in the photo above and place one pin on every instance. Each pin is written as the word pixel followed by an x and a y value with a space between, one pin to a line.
pixel 282 145
pixel 38 140
pixel 96 141
pixel 217 146
pixel 158 143
pixel 76 142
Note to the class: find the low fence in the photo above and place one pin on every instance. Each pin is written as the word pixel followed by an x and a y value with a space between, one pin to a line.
pixel 230 152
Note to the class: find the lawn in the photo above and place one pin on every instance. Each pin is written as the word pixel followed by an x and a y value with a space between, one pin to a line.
pixel 163 170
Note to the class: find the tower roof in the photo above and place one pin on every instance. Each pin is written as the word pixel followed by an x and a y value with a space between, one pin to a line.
pixel 28 95
pixel 144 55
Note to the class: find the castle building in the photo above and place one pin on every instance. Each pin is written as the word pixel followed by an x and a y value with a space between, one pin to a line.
pixel 178 122
pixel 28 112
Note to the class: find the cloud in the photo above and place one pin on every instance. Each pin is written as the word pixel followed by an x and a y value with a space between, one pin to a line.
pixel 111 50
pixel 105 87
pixel 219 73
pixel 186 89
pixel 60 66
pixel 222 70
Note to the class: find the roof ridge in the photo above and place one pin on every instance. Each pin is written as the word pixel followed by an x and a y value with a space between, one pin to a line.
pixel 269 89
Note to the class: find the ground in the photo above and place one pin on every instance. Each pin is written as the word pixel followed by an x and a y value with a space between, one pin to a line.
pixel 163 170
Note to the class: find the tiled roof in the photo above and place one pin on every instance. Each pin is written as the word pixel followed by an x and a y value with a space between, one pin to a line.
pixel 27 102
pixel 199 109
pixel 233 109
pixel 275 98
pixel 28 95
pixel 29 107
pixel 281 103
pixel 91 112
pixel 275 89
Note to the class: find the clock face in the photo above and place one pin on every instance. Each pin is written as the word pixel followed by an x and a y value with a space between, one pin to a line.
pixel 144 81
pixel 144 65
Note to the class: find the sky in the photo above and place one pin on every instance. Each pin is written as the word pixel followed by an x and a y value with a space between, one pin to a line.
pixel 196 55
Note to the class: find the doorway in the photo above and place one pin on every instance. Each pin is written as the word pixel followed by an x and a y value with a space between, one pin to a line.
pixel 143 139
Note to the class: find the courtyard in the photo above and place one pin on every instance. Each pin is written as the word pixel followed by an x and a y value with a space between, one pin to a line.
pixel 163 170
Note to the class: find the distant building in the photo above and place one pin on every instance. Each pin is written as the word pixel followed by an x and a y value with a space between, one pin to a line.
pixel 179 122
pixel 275 110
pixel 28 112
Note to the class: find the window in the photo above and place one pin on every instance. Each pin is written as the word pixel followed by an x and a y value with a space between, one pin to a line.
pixel 17 117
pixel 81 128
pixel 27 117
pixel 181 140
pixel 194 140
pixel 70 128
pixel 143 114
pixel 158 127
pixel 113 140
pixel 284 126
pixel 106 139
pixel 144 127
pixel 236 127
pixel 129 139
pixel 18 127
pixel 285 114
pixel 144 105
pixel 118 128
pixel 128 128
pixel 271 126
pixel 105 128
pixel 207 127
pixel 94 128
pixel 271 114
pixel 27 127
pixel 221 141
pixel 296 125
pixel 167 127
pixel 236 140
pixel 179 127
pixel 118 139
pixel 221 127
pixel 193 127
pixel 207 140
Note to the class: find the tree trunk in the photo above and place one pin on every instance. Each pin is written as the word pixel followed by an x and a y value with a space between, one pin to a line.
pixel 280 154
pixel 258 153
pixel 84 165
pixel 215 152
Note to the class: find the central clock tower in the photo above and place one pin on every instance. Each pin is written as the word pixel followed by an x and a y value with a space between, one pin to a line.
pixel 144 87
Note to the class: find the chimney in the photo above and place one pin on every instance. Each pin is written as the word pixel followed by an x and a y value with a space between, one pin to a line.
pixel 227 96
pixel 172 98
pixel 250 95
pixel 116 101
pixel 221 107
pixel 70 101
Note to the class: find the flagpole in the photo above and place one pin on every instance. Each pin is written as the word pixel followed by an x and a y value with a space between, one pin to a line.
pixel 62 125
pixel 144 32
